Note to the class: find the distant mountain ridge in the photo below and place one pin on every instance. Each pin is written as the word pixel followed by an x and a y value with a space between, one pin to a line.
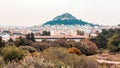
pixel 67 19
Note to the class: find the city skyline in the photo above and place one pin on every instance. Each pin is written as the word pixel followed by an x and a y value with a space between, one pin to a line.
pixel 37 12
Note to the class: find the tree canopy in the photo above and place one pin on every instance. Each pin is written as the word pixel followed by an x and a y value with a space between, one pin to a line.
pixel 114 43
pixel 102 39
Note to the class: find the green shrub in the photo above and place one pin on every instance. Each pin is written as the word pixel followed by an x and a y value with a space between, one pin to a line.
pixel 114 43
pixel 11 53
pixel 22 42
pixel 102 39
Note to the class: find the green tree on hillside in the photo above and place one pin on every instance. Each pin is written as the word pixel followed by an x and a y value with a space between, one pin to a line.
pixel 114 43
pixel 102 39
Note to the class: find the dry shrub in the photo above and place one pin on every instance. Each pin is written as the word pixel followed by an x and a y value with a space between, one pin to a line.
pixel 59 56
pixel 9 44
pixel 62 57
pixel 60 43
pixel 1 62
pixel 40 46
pixel 30 62
pixel 87 47
pixel 91 44
pixel 74 51
pixel 85 62
pixel 54 57
pixel 28 48
pixel 35 54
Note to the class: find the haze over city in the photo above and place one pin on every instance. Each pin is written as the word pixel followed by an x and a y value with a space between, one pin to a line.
pixel 37 12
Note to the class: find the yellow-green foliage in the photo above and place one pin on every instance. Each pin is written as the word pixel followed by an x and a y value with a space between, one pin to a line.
pixel 11 53
pixel 114 43
pixel 62 57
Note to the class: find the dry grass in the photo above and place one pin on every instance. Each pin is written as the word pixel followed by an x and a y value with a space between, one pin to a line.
pixel 109 57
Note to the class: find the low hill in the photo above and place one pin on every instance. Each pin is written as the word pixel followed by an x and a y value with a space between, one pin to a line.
pixel 67 19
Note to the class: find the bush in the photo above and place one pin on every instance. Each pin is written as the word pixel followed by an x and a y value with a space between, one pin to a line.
pixel 74 51
pixel 11 53
pixel 91 46
pixel 114 43
pixel 60 43
pixel 28 48
pixel 71 43
pixel 1 62
pixel 54 57
pixel 85 62
pixel 87 47
pixel 102 39
pixel 59 56
pixel 22 42
pixel 40 46
pixel 62 57
pixel 29 62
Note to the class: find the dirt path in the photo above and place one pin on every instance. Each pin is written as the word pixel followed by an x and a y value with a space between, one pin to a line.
pixel 109 62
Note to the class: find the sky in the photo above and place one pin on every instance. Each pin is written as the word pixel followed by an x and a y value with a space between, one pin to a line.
pixel 37 12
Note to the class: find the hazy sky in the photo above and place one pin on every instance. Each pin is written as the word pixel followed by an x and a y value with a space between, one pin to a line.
pixel 36 12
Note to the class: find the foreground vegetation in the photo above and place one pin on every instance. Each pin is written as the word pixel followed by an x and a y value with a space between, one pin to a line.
pixel 62 53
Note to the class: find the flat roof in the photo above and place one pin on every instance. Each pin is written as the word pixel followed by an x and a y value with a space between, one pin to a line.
pixel 58 36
